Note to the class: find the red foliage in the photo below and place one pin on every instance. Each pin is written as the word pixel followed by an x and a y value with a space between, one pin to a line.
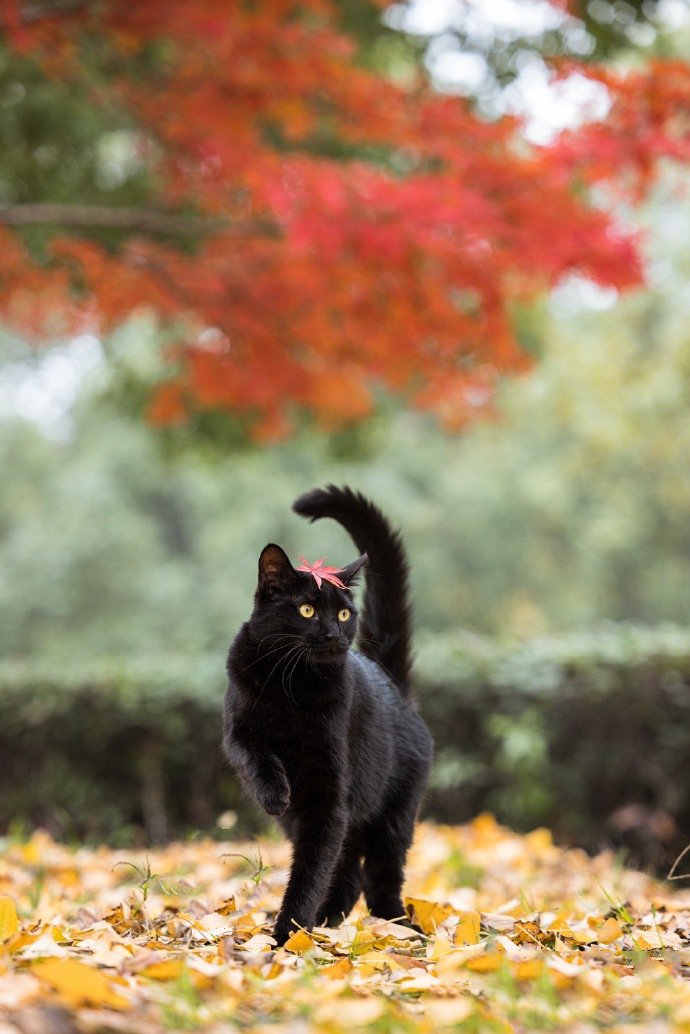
pixel 326 277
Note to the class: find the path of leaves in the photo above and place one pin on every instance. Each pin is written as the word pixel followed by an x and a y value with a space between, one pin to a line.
pixel 519 936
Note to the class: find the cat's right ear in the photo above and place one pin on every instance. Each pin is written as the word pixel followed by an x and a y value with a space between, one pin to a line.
pixel 275 570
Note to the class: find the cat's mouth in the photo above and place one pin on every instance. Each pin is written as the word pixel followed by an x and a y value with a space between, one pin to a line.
pixel 324 654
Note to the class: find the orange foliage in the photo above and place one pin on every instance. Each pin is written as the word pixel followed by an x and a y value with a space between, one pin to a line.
pixel 326 278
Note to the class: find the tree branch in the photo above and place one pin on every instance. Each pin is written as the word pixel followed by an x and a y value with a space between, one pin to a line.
pixel 45 213
pixel 33 12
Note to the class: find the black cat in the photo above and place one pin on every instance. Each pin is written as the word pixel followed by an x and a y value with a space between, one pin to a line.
pixel 324 737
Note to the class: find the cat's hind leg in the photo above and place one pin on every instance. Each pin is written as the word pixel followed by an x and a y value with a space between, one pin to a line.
pixel 345 888
pixel 388 840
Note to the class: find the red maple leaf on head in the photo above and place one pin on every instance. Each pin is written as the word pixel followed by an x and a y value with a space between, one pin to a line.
pixel 320 573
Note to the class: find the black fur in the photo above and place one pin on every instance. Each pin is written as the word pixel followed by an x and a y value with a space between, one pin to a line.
pixel 323 737
pixel 385 622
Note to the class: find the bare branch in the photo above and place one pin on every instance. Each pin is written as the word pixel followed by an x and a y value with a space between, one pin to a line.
pixel 34 12
pixel 145 220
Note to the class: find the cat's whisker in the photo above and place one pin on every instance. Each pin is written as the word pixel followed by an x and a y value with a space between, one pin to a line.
pixel 283 658
pixel 288 687
pixel 286 636
pixel 293 669
pixel 263 656
pixel 278 635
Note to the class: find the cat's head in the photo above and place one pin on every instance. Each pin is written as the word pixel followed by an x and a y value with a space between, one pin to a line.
pixel 292 612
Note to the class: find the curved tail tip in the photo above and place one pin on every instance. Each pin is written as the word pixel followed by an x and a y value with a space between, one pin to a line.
pixel 311 504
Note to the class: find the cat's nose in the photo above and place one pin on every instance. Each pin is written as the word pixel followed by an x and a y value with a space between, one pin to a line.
pixel 332 633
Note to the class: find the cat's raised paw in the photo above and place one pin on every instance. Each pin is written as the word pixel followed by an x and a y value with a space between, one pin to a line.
pixel 274 797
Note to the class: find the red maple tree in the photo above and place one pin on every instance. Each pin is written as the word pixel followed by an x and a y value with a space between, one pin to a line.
pixel 349 233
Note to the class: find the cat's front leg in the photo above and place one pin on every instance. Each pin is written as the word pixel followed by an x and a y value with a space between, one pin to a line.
pixel 317 846
pixel 260 770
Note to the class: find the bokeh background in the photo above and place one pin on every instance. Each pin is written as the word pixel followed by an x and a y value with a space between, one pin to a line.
pixel 544 500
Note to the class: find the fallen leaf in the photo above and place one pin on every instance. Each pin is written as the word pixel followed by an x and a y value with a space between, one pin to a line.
pixel 427 914
pixel 468 929
pixel 417 979
pixel 168 969
pixel 299 942
pixel 609 932
pixel 336 970
pixel 530 969
pixel 442 946
pixel 9 921
pixel 78 984
pixel 489 962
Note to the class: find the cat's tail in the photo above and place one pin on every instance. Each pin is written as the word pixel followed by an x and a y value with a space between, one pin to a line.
pixel 385 620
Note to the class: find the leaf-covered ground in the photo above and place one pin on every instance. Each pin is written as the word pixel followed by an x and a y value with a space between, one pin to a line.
pixel 519 936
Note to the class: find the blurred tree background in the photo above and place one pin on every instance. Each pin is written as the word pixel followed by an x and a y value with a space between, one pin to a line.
pixel 563 506
pixel 571 505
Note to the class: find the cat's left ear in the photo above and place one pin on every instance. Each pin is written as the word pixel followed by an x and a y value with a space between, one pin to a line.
pixel 348 575
pixel 275 569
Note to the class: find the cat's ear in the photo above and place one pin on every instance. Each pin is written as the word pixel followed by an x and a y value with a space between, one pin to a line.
pixel 275 570
pixel 348 575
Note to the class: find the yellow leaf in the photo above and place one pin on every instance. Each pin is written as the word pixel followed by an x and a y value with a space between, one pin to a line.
pixel 583 936
pixel 69 878
pixel 117 920
pixel 337 970
pixel 365 969
pixel 539 841
pixel 168 969
pixel 363 940
pixel 487 831
pixel 610 931
pixel 561 981
pixel 9 923
pixel 455 960
pixel 78 984
pixel 561 922
pixel 387 932
pixel 31 851
pixel 299 942
pixel 216 925
pixel 23 940
pixel 247 924
pixel 377 959
pixel 427 914
pixel 270 972
pixel 467 930
pixel 260 942
pixel 229 906
pixel 442 946
pixel 562 930
pixel 418 980
pixel 490 962
pixel 530 969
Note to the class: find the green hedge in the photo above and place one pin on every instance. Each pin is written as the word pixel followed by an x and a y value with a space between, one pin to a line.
pixel 588 734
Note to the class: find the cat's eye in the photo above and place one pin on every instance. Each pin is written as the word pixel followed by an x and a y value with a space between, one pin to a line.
pixel 306 610
pixel 344 614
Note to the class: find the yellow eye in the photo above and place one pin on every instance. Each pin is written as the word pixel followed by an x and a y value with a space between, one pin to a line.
pixel 306 610
pixel 344 614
